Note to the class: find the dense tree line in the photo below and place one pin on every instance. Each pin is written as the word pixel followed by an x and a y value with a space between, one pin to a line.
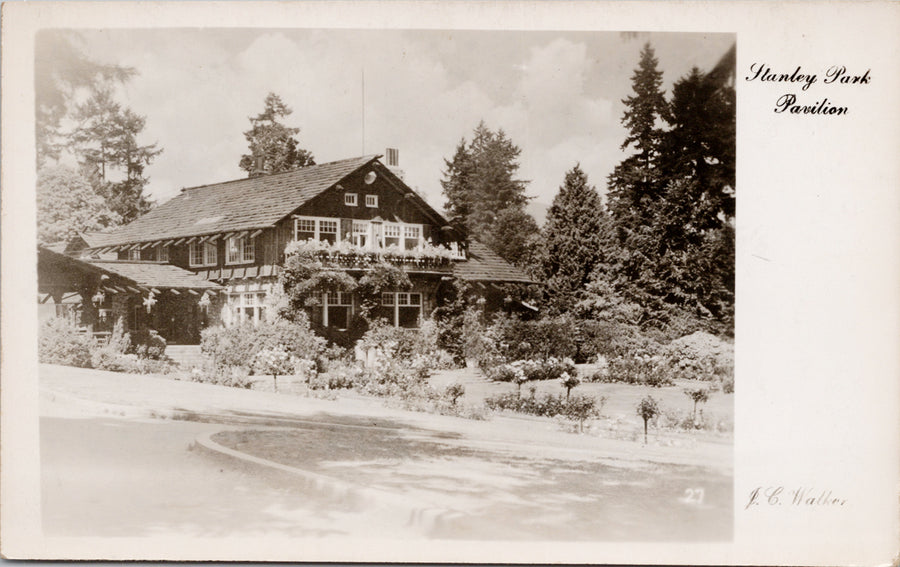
pixel 659 253
pixel 663 256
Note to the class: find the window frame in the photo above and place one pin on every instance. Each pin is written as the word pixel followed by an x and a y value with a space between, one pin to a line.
pixel 244 246
pixel 317 231
pixel 207 258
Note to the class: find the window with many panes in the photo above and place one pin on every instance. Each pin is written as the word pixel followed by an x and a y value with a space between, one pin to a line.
pixel 392 234
pixel 360 234
pixel 162 253
pixel 247 307
pixel 350 199
pixel 412 235
pixel 371 200
pixel 240 250
pixel 314 228
pixel 134 254
pixel 402 309
pixel 337 309
pixel 203 254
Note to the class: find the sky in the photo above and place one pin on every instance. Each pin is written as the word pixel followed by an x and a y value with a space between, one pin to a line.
pixel 557 95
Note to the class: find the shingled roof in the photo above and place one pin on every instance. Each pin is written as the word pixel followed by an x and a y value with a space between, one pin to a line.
pixel 255 202
pixel 484 265
pixel 154 274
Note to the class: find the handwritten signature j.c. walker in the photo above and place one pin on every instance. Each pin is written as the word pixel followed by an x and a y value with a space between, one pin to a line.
pixel 801 496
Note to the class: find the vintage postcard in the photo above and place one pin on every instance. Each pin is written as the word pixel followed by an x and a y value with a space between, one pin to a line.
pixel 520 282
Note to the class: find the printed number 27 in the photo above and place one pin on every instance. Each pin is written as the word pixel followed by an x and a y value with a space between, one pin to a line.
pixel 693 496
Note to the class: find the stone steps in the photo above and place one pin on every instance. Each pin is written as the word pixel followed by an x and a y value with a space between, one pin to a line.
pixel 185 355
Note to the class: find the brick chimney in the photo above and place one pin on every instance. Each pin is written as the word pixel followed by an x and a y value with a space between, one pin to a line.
pixel 259 166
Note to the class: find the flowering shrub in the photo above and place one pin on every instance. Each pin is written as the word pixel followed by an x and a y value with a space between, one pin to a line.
pixel 526 370
pixel 345 249
pixel 231 376
pixel 701 356
pixel 275 361
pixel 415 346
pixel 61 342
pixel 569 381
pixel 238 345
pixel 644 370
pixel 146 343
pixel 576 408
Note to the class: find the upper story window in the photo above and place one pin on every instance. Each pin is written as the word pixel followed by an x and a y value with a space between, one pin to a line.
pixel 315 228
pixel 134 254
pixel 371 200
pixel 350 199
pixel 412 235
pixel 240 250
pixel 392 233
pixel 203 254
pixel 162 253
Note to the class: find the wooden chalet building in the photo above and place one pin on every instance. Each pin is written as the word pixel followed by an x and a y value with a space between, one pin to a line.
pixel 211 255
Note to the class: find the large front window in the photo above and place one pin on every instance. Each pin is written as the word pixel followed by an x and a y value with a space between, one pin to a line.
pixel 203 254
pixel 240 250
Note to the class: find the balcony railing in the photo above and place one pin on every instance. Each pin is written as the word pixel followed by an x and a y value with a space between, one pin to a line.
pixel 344 254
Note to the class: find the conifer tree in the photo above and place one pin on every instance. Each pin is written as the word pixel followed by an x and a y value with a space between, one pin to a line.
pixel 105 143
pixel 272 143
pixel 571 240
pixel 484 196
pixel 635 183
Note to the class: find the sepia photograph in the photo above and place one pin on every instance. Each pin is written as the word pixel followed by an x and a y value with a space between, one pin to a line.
pixel 419 284
pixel 464 283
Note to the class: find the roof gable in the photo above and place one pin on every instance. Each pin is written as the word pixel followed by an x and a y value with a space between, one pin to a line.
pixel 242 204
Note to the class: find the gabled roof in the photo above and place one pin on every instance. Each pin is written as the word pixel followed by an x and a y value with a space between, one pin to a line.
pixel 155 274
pixel 242 204
pixel 484 265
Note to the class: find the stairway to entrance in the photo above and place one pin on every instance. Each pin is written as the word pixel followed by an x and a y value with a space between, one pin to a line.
pixel 185 355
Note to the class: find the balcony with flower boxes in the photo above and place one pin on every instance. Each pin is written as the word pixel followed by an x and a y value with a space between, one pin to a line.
pixel 425 258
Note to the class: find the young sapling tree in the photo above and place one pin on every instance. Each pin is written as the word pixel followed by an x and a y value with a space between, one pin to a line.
pixel 648 408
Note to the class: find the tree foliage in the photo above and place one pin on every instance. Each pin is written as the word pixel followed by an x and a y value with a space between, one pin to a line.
pixel 484 196
pixel 667 253
pixel 273 143
pixel 571 240
pixel 67 205
pixel 105 142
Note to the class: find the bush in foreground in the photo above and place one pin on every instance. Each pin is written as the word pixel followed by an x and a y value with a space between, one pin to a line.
pixel 61 342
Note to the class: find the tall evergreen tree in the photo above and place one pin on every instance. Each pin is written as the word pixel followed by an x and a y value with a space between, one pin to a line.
pixel 485 197
pixel 635 183
pixel 571 240
pixel 669 247
pixel 273 143
pixel 105 142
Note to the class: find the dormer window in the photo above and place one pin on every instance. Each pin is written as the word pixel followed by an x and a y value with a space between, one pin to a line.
pixel 350 199
pixel 134 254
pixel 162 253
pixel 371 200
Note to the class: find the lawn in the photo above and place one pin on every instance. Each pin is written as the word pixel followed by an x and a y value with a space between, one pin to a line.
pixel 621 399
